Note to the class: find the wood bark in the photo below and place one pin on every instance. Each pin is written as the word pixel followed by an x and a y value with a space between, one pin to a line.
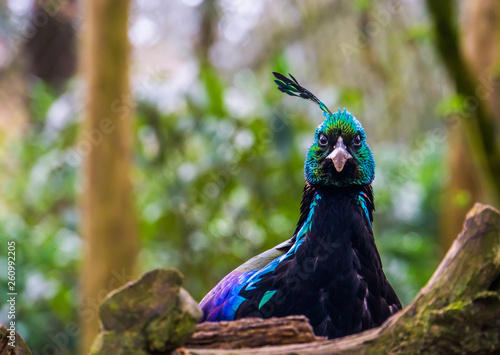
pixel 457 312
pixel 109 226
pixel 252 333
pixel 20 346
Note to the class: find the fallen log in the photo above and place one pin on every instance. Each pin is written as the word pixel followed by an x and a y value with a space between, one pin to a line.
pixel 252 333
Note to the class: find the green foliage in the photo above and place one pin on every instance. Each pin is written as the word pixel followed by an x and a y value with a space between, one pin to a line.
pixel 418 32
pixel 43 97
pixel 39 212
pixel 455 104
pixel 219 177
pixel 352 98
pixel 362 5
pixel 407 200
pixel 214 89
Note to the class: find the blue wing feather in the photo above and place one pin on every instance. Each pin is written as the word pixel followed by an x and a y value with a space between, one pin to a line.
pixel 222 302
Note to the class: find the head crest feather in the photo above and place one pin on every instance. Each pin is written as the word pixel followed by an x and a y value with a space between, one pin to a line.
pixel 293 88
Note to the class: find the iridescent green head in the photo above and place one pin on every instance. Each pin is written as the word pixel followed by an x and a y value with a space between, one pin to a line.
pixel 339 155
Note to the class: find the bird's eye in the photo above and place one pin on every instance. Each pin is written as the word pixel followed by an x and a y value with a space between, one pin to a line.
pixel 323 141
pixel 357 141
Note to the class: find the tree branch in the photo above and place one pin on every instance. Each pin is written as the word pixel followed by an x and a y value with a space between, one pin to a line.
pixel 252 333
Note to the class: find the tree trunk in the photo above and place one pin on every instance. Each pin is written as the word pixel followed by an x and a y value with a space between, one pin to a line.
pixel 109 226
pixel 467 62
pixel 479 44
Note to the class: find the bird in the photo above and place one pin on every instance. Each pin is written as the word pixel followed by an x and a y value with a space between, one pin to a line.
pixel 330 269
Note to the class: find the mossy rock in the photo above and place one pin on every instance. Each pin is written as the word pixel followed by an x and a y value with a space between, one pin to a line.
pixel 153 313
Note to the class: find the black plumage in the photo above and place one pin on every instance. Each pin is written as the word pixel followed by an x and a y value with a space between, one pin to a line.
pixel 336 277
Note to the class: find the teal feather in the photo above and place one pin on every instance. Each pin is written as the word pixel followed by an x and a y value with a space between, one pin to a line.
pixel 293 88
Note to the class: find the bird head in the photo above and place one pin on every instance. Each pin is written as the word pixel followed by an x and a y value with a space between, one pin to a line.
pixel 339 155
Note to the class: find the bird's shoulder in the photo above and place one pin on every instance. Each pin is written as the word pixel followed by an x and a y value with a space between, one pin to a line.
pixel 258 262
pixel 224 299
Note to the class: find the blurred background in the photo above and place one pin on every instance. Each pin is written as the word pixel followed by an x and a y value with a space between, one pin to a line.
pixel 216 152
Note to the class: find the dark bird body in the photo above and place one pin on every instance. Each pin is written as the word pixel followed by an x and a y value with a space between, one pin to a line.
pixel 330 270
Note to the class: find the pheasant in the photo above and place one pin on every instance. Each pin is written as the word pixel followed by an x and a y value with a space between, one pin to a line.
pixel 330 269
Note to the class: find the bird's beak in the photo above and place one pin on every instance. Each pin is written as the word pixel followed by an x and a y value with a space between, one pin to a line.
pixel 339 155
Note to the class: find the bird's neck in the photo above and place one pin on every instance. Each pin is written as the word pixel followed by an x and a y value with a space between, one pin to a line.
pixel 333 197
